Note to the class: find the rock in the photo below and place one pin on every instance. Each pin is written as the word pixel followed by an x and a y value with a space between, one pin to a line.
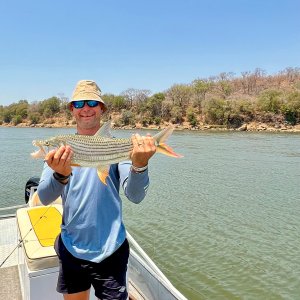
pixel 242 128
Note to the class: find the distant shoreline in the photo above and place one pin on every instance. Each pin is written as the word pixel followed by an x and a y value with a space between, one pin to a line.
pixel 252 127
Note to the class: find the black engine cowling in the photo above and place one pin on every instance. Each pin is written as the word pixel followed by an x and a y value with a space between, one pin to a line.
pixel 32 182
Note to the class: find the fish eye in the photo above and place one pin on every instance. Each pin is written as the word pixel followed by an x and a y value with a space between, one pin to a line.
pixel 47 143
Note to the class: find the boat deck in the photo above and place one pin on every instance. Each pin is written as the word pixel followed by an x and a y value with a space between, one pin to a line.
pixel 9 275
pixel 8 241
pixel 10 284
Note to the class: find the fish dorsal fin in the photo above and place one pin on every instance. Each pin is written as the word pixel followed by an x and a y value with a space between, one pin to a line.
pixel 104 131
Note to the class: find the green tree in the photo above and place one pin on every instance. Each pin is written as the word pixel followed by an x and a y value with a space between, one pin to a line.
pixel 200 88
pixel 7 116
pixel 154 104
pixel 291 108
pixel 115 103
pixel 17 120
pixel 191 116
pixel 50 107
pixel 270 101
pixel 21 109
pixel 34 118
pixel 215 111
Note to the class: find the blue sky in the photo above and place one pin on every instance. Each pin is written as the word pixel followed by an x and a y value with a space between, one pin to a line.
pixel 47 46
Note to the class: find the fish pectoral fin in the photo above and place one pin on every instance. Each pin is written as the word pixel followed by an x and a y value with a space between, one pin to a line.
pixel 75 165
pixel 103 173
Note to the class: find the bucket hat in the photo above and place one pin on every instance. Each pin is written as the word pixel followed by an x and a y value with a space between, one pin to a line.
pixel 87 90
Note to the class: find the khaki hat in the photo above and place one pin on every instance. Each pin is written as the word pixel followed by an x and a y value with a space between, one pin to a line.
pixel 87 90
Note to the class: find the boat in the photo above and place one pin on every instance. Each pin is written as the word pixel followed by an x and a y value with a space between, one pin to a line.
pixel 29 265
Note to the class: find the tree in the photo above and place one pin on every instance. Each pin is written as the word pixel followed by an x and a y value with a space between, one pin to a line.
pixel 200 88
pixel 176 115
pixel 291 108
pixel 154 104
pixel 191 116
pixel 269 101
pixel 180 95
pixel 223 84
pixel 215 111
pixel 127 117
pixel 50 106
pixel 114 102
pixel 134 97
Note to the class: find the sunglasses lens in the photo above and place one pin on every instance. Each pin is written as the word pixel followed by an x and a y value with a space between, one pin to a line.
pixel 78 104
pixel 92 103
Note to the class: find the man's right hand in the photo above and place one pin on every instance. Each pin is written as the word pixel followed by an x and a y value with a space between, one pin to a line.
pixel 59 160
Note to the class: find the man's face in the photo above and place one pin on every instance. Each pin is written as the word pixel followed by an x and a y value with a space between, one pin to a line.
pixel 87 118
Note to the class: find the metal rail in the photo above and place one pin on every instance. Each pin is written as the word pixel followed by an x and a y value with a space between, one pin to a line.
pixel 13 207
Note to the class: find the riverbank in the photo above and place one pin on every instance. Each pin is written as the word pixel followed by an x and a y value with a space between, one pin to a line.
pixel 245 127
pixel 253 126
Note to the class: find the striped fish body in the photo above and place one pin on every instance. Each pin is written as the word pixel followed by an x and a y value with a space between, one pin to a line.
pixel 94 151
pixel 98 151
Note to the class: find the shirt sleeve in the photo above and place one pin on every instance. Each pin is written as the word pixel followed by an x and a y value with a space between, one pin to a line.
pixel 135 185
pixel 49 188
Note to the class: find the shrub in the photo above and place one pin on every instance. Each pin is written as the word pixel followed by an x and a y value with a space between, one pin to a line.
pixel 17 120
pixel 176 114
pixel 191 116
pixel 269 101
pixel 127 117
pixel 34 118
pixel 215 111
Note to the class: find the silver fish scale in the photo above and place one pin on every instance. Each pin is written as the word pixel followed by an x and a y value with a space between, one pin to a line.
pixel 91 151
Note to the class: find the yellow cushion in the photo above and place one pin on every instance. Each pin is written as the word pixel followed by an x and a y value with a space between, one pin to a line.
pixel 38 227
pixel 46 223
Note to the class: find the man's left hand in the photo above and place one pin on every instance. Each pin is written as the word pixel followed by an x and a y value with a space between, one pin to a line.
pixel 143 149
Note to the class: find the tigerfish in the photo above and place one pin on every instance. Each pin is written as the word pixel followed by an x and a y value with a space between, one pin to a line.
pixel 100 150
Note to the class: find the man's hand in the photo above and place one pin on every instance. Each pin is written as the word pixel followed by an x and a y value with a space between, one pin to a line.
pixel 60 160
pixel 143 149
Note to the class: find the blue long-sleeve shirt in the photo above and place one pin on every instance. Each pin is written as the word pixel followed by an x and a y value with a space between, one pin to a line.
pixel 92 227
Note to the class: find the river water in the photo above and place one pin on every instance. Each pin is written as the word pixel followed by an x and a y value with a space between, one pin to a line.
pixel 221 223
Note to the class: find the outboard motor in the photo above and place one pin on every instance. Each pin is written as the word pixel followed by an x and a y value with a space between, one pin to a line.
pixel 32 182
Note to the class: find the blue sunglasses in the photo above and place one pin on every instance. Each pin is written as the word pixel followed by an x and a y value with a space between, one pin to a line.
pixel 81 103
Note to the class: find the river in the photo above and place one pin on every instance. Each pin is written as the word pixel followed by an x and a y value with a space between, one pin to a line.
pixel 221 223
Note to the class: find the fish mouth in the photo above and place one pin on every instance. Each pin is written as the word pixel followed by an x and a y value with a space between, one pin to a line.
pixel 40 153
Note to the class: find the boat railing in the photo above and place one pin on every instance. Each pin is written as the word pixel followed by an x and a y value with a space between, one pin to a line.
pixel 8 208
pixel 151 265
pixel 147 259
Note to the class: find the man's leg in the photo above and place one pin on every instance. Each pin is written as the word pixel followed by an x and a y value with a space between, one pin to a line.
pixel 78 296
pixel 73 278
pixel 109 276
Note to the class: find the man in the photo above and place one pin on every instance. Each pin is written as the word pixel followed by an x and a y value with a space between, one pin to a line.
pixel 92 247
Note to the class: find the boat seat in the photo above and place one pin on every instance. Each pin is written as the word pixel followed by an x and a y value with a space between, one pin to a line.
pixel 35 200
pixel 38 228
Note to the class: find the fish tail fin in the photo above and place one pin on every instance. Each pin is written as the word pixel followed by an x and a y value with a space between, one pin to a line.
pixel 162 147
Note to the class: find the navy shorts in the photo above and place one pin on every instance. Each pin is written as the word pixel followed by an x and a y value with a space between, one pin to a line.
pixel 107 277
